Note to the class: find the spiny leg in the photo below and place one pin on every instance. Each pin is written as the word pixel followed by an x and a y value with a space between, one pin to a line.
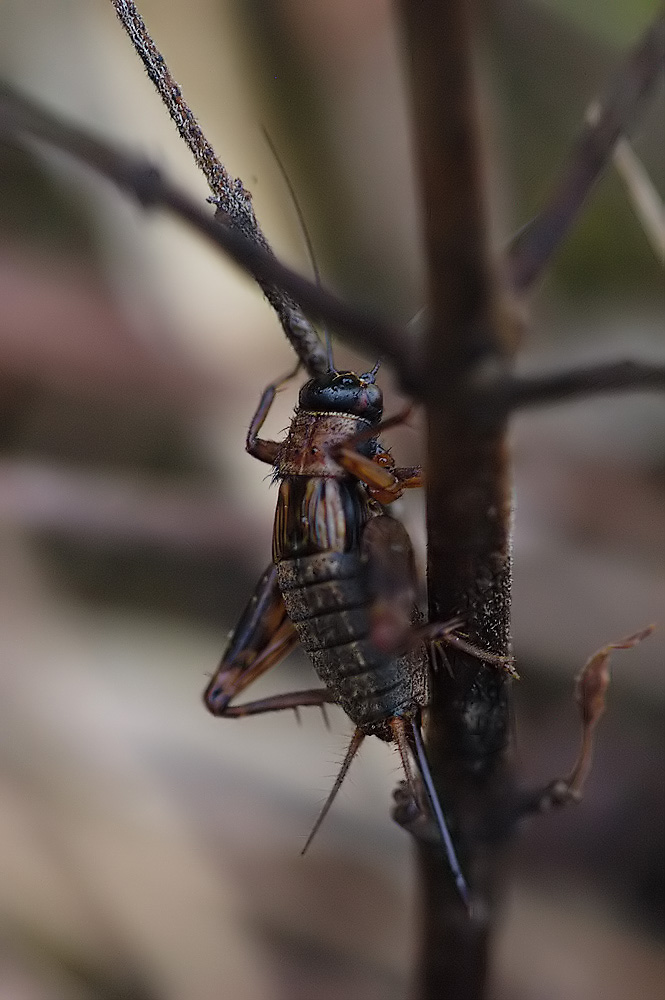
pixel 263 637
pixel 398 729
pixel 354 746
pixel 426 776
pixel 445 632
pixel 279 702
pixel 388 553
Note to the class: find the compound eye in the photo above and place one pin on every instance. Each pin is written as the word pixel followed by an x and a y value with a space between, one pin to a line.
pixel 347 381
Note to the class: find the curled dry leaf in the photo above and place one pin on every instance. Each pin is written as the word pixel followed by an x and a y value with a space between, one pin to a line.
pixel 590 691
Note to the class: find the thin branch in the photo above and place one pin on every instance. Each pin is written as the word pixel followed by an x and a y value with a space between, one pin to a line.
pixel 558 387
pixel 21 118
pixel 233 201
pixel 590 691
pixel 229 192
pixel 619 111
pixel 646 202
pixel 468 499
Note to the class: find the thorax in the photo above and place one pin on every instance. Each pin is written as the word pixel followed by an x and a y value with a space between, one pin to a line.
pixel 312 437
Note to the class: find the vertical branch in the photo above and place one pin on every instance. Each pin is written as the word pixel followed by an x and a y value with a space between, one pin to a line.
pixel 468 496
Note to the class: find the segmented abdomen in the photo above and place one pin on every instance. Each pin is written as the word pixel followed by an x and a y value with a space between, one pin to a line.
pixel 327 600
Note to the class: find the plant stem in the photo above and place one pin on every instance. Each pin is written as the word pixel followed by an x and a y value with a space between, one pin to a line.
pixel 468 500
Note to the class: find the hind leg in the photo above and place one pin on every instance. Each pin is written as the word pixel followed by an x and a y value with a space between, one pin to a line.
pixel 262 638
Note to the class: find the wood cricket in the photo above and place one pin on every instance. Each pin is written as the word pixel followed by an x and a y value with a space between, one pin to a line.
pixel 342 579
pixel 342 582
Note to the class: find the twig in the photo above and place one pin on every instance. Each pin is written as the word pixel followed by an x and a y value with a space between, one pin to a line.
pixel 619 110
pixel 233 201
pixel 20 118
pixel 229 192
pixel 468 505
pixel 557 387
pixel 646 201
pixel 487 390
pixel 590 690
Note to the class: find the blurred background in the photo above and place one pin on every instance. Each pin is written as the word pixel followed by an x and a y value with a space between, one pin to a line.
pixel 147 850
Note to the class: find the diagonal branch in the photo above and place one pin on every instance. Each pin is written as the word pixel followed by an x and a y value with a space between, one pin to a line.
pixel 229 192
pixel 21 118
pixel 617 114
pixel 233 201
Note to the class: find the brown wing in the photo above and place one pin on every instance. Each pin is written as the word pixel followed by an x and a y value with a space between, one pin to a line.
pixel 391 575
pixel 319 514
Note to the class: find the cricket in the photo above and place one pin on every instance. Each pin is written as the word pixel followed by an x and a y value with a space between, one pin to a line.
pixel 427 671
pixel 342 582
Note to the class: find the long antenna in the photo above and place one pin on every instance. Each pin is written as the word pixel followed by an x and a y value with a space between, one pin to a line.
pixel 426 775
pixel 354 746
pixel 303 229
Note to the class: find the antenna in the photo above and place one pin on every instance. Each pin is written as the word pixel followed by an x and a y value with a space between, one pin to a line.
pixel 303 229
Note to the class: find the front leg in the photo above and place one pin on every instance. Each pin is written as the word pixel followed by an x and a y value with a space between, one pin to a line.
pixel 384 480
pixel 264 450
pixel 380 475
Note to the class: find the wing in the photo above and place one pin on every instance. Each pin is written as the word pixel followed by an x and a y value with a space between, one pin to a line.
pixel 391 574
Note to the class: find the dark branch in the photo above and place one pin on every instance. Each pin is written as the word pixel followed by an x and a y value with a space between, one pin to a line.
pixel 233 201
pixel 557 387
pixel 619 110
pixel 467 496
pixel 229 192
pixel 20 118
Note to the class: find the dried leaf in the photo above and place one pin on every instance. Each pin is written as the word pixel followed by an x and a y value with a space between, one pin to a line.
pixel 590 691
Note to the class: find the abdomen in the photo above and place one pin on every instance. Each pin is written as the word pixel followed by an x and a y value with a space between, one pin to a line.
pixel 323 580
